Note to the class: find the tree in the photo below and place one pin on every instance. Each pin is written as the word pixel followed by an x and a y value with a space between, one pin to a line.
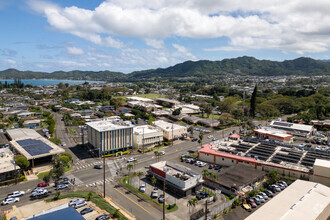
pixel 205 173
pixel 89 196
pixel 22 162
pixel 64 159
pixel 192 203
pixel 201 136
pixel 153 180
pixel 57 171
pixel 177 111
pixel 158 155
pixel 253 102
pixel 117 102
pixel 140 174
pixel 134 163
pixel 47 177
pixel 68 155
pixel 191 130
pixel 129 168
pixel 273 177
pixel 150 120
pixel 58 194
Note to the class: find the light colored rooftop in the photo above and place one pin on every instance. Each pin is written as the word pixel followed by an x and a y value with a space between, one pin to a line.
pixel 175 169
pixel 108 125
pixel 16 134
pixel 136 98
pixel 295 126
pixel 32 121
pixel 146 129
pixel 273 132
pixel 167 126
pixel 6 160
pixel 301 200
pixel 322 163
pixel 168 100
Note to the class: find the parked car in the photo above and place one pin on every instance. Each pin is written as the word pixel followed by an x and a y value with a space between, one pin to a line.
pixel 261 198
pixel 214 139
pixel 16 194
pixel 269 193
pixel 251 202
pixel 73 202
pixel 199 196
pixel 283 182
pixel 10 200
pixel 154 194
pixel 102 217
pixel 62 186
pixel 205 194
pixel 86 210
pixel 63 180
pixel 192 161
pixel 98 166
pixel 63 144
pixel 188 160
pixel 211 166
pixel 217 167
pixel 142 187
pixel 277 188
pixel 198 162
pixel 80 204
pixel 131 160
pixel 257 200
pixel 162 152
pixel 264 195
pixel 43 184
pixel 282 187
pixel 194 139
pixel 202 164
pixel 161 199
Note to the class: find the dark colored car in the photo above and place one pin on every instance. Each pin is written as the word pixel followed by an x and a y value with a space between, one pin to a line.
pixel 62 181
pixel 194 139
pixel 205 194
pixel 252 203
pixel 307 141
pixel 86 210
pixel 199 196
pixel 161 199
pixel 211 166
pixel 269 193
pixel 217 167
pixel 98 166
pixel 313 142
pixel 103 217
pixel 43 184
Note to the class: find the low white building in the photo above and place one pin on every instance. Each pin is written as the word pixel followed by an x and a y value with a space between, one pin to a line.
pixel 188 109
pixel 34 123
pixel 321 172
pixel 170 130
pixel 146 136
pixel 140 99
pixel 274 134
pixel 293 128
pixel 7 164
pixel 179 179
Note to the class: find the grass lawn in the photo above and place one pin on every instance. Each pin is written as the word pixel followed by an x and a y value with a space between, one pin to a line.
pixel 96 199
pixel 126 178
pixel 41 175
pixel 210 116
pixel 72 131
pixel 148 96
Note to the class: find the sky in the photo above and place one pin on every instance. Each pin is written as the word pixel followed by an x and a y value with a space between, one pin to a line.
pixel 133 35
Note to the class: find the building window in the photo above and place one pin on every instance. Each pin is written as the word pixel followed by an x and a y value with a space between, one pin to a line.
pixel 223 158
pixel 232 161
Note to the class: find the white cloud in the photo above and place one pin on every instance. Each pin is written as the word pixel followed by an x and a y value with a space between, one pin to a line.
pixel 75 50
pixel 10 62
pixel 157 44
pixel 293 26
pixel 182 50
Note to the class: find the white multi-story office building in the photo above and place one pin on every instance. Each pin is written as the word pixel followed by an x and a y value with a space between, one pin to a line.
pixel 110 136
pixel 170 130
pixel 147 136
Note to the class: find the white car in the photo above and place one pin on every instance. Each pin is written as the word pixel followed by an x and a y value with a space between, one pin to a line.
pixel 162 152
pixel 16 194
pixel 80 204
pixel 202 164
pixel 63 144
pixel 198 162
pixel 142 187
pixel 9 201
pixel 130 159
pixel 73 202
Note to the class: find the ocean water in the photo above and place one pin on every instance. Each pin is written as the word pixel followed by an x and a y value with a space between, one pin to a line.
pixel 48 82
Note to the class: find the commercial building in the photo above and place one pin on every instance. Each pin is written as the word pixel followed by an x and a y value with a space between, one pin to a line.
pixel 7 164
pixel 110 136
pixel 140 99
pixel 171 131
pixel 178 179
pixel 34 123
pixel 300 200
pixel 172 102
pixel 146 136
pixel 33 146
pixel 147 107
pixel 274 134
pixel 293 128
pixel 321 170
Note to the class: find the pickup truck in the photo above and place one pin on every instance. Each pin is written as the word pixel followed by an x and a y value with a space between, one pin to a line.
pixel 246 206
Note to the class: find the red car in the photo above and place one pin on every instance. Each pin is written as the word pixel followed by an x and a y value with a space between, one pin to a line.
pixel 43 184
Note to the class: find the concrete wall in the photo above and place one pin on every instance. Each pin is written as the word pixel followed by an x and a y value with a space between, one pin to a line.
pixel 150 139
pixel 321 175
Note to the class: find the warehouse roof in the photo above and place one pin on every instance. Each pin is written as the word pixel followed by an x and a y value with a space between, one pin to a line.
pixel 301 200
pixel 291 126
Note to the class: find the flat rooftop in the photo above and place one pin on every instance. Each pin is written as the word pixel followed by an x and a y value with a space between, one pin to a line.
pixel 168 100
pixel 146 129
pixel 7 163
pixel 108 125
pixel 167 126
pixel 240 175
pixel 293 126
pixel 64 213
pixel 136 98
pixel 32 145
pixel 322 163
pixel 300 200
pixel 273 133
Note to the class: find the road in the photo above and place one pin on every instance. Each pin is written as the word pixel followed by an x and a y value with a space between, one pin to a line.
pixel 87 176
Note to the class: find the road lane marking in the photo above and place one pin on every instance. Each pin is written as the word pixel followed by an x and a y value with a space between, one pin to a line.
pixel 132 201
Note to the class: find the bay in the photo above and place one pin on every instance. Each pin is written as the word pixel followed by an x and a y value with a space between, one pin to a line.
pixel 49 82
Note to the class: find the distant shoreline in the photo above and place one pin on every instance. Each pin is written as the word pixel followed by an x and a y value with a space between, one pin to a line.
pixel 50 82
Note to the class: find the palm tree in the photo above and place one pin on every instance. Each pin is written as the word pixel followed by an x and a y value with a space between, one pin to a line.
pixel 158 155
pixel 134 163
pixel 205 173
pixel 129 167
pixel 189 204
pixel 153 180
pixel 201 136
pixel 140 174
pixel 89 196
pixel 194 202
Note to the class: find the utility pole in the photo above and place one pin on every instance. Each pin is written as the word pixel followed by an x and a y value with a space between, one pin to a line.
pixel 205 209
pixel 164 199
pixel 172 135
pixel 82 134
pixel 143 141
pixel 103 176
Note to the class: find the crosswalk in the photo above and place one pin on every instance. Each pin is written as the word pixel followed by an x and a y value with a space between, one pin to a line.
pixel 100 182
pixel 83 165
pixel 112 164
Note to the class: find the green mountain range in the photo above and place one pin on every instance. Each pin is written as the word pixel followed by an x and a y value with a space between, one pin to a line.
pixel 203 68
